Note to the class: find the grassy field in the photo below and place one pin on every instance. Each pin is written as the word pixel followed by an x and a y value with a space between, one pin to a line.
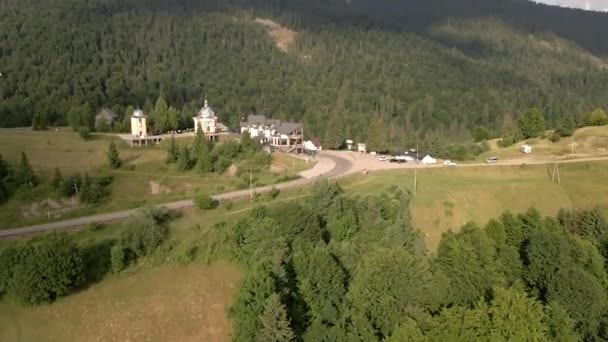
pixel 450 197
pixel 166 303
pixel 144 179
pixel 587 141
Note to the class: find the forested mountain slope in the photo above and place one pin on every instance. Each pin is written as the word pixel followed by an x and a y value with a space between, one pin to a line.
pixel 430 70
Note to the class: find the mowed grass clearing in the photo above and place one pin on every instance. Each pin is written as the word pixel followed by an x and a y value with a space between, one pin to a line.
pixel 587 142
pixel 165 303
pixel 448 198
pixel 144 179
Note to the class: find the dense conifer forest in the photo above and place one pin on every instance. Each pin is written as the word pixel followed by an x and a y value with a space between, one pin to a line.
pixel 413 71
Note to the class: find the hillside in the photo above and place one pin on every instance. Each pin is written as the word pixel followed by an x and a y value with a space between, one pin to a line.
pixel 426 71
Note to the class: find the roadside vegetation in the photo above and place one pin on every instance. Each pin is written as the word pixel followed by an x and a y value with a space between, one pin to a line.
pixel 63 176
pixel 338 266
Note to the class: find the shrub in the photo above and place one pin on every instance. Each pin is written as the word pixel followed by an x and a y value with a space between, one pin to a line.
pixel 596 118
pixel 274 192
pixel 204 201
pixel 145 232
pixel 554 137
pixel 41 271
pixel 117 259
pixel 84 133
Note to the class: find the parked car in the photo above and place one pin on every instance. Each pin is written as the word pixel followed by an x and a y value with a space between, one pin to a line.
pixel 383 158
pixel 449 163
pixel 398 159
pixel 492 160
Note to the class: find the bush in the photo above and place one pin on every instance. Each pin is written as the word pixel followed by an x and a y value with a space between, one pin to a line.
pixel 274 192
pixel 145 232
pixel 84 133
pixel 554 137
pixel 596 118
pixel 117 259
pixel 41 271
pixel 204 201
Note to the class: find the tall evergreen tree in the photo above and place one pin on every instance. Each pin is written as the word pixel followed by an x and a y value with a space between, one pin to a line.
pixel 377 136
pixel 113 156
pixel 172 151
pixel 25 174
pixel 204 163
pixel 334 133
pixel 159 115
pixel 531 123
pixel 275 323
pixel 57 178
pixel 184 162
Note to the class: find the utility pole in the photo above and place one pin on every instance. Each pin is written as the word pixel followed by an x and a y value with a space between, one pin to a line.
pixel 293 167
pixel 416 172
pixel 415 179
pixel 250 186
pixel 573 144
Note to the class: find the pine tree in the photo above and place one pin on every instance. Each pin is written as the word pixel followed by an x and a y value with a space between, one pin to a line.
pixel 334 135
pixel 4 168
pixel 57 178
pixel 172 151
pixel 204 163
pixel 160 115
pixel 376 137
pixel 113 156
pixel 531 123
pixel 3 192
pixel 184 163
pixel 199 140
pixel 275 323
pixel 25 174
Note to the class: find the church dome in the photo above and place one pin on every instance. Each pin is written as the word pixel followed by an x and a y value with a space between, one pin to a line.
pixel 138 113
pixel 206 112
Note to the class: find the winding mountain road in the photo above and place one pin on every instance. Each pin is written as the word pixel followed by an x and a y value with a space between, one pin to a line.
pixel 330 165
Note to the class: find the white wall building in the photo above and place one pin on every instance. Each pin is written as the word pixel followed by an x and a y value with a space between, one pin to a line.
pixel 139 125
pixel 274 132
pixel 206 120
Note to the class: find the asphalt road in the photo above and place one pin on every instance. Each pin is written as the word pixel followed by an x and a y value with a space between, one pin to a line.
pixel 339 167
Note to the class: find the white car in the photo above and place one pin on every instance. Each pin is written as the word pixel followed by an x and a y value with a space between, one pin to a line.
pixel 382 158
pixel 449 163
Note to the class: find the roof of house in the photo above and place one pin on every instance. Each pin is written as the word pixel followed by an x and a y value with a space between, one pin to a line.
pixel 222 127
pixel 288 127
pixel 316 141
pixel 254 119
pixel 106 113
pixel 280 127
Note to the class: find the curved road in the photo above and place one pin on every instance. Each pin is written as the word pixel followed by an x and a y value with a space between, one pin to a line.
pixel 329 166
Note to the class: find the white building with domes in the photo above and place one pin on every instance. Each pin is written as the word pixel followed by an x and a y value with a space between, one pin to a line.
pixel 139 124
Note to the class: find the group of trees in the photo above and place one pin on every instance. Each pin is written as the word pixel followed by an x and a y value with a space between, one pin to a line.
pixel 427 74
pixel 344 268
pixel 206 157
pixel 89 190
pixel 12 178
pixel 42 269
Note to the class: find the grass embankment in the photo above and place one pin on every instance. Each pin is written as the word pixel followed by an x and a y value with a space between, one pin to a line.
pixel 158 299
pixel 447 198
pixel 587 142
pixel 144 178
pixel 166 303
